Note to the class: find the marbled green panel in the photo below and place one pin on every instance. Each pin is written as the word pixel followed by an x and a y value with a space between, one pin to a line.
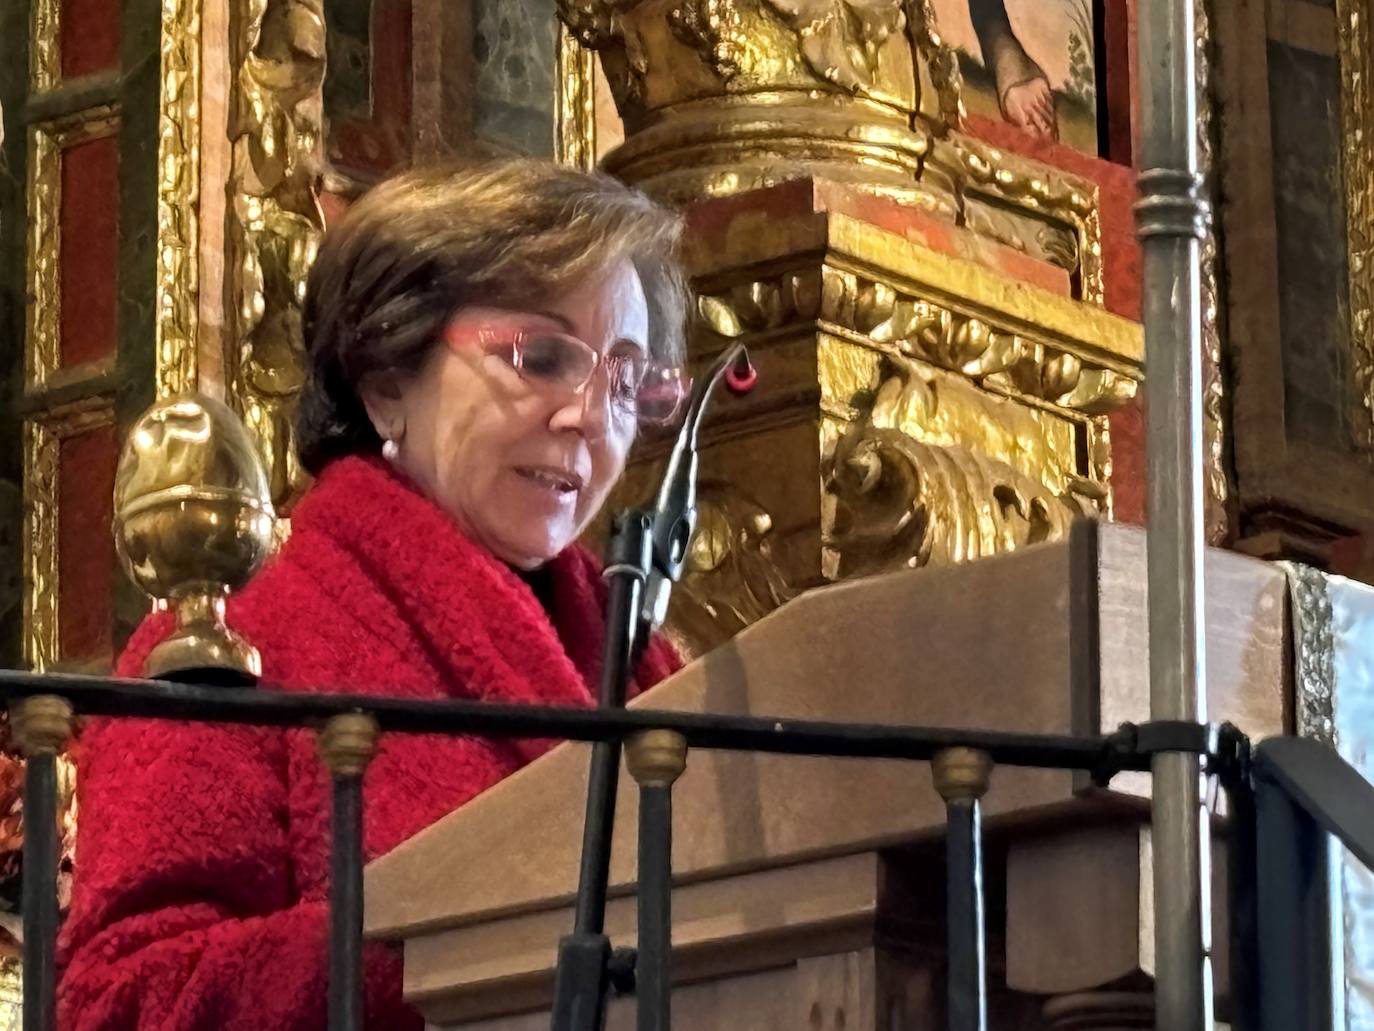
pixel 515 43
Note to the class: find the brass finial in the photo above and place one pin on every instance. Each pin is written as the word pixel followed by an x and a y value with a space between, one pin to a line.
pixel 961 774
pixel 656 758
pixel 348 743
pixel 193 521
pixel 41 724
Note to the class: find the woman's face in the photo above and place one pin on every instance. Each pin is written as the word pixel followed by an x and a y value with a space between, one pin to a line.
pixel 521 468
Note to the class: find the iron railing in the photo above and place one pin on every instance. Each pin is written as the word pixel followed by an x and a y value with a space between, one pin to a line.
pixel 1285 800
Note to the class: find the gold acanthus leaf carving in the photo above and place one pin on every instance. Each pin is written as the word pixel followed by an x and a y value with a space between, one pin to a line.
pixel 758 45
pixel 994 357
pixel 712 27
pixel 733 577
pixel 841 40
pixel 897 501
pixel 275 221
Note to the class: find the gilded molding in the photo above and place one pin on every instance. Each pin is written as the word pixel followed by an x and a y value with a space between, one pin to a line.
pixel 43 350
pixel 274 217
pixel 575 104
pixel 1357 129
pixel 44 56
pixel 1218 485
pixel 47 140
pixel 43 436
pixel 996 356
pixel 1040 188
pixel 1314 652
pixel 178 199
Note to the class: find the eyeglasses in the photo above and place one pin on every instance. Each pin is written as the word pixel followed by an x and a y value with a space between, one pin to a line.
pixel 638 387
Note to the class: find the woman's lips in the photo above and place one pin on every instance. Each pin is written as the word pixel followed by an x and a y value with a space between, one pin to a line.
pixel 560 481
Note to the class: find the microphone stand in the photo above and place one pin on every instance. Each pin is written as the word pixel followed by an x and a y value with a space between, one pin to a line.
pixel 645 556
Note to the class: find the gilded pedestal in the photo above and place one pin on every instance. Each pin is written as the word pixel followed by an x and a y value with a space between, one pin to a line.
pixel 916 403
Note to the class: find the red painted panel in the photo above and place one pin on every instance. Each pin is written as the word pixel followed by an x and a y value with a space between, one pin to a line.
pixel 90 248
pixel 89 36
pixel 85 546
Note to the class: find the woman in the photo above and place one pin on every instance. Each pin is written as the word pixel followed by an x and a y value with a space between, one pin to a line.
pixel 482 344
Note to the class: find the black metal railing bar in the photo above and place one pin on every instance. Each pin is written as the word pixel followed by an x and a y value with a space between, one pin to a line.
pixel 113 696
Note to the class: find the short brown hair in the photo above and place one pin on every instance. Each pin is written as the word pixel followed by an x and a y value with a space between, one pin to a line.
pixel 418 247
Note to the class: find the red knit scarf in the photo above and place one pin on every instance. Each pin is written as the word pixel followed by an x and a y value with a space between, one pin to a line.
pixel 471 616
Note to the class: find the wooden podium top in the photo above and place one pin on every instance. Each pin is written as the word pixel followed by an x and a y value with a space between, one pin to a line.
pixel 1051 640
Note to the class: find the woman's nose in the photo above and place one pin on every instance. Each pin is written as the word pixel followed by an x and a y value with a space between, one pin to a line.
pixel 587 411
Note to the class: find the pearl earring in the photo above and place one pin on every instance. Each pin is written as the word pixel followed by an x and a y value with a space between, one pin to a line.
pixel 390 450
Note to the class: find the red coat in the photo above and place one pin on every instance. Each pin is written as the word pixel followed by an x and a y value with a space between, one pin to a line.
pixel 202 851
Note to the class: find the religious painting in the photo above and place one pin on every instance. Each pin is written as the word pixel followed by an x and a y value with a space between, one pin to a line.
pixel 1028 62
pixel 367 86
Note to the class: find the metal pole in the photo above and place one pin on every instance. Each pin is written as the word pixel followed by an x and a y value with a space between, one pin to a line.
pixel 347 745
pixel 41 726
pixel 656 758
pixel 580 980
pixel 1171 218
pixel 961 776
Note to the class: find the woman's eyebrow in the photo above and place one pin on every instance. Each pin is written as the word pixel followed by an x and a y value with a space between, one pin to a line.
pixel 553 316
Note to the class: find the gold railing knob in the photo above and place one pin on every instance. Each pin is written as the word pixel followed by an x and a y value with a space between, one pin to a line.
pixel 41 724
pixel 193 522
pixel 656 758
pixel 961 774
pixel 348 743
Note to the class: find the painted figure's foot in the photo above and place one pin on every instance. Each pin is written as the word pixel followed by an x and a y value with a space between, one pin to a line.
pixel 1029 105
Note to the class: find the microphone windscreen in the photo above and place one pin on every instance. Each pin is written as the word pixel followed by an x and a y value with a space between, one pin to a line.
pixel 741 376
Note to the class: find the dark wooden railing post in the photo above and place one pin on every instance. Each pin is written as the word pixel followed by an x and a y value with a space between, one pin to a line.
pixel 42 725
pixel 961 777
pixel 655 758
pixel 346 746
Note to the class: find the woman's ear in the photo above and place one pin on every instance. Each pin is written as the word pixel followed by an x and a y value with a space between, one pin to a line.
pixel 384 400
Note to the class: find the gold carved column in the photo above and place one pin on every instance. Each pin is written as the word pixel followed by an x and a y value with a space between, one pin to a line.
pixel 936 369
pixel 273 217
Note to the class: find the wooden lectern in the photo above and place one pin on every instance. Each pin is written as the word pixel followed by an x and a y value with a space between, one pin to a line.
pixel 809 896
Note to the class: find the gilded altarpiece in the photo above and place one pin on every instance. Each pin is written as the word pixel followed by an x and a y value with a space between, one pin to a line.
pixel 948 417
pixel 936 369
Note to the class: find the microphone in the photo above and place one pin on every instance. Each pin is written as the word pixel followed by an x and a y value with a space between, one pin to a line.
pixel 740 375
pixel 675 511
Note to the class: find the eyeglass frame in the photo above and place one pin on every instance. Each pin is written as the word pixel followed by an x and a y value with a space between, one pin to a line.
pixel 493 341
